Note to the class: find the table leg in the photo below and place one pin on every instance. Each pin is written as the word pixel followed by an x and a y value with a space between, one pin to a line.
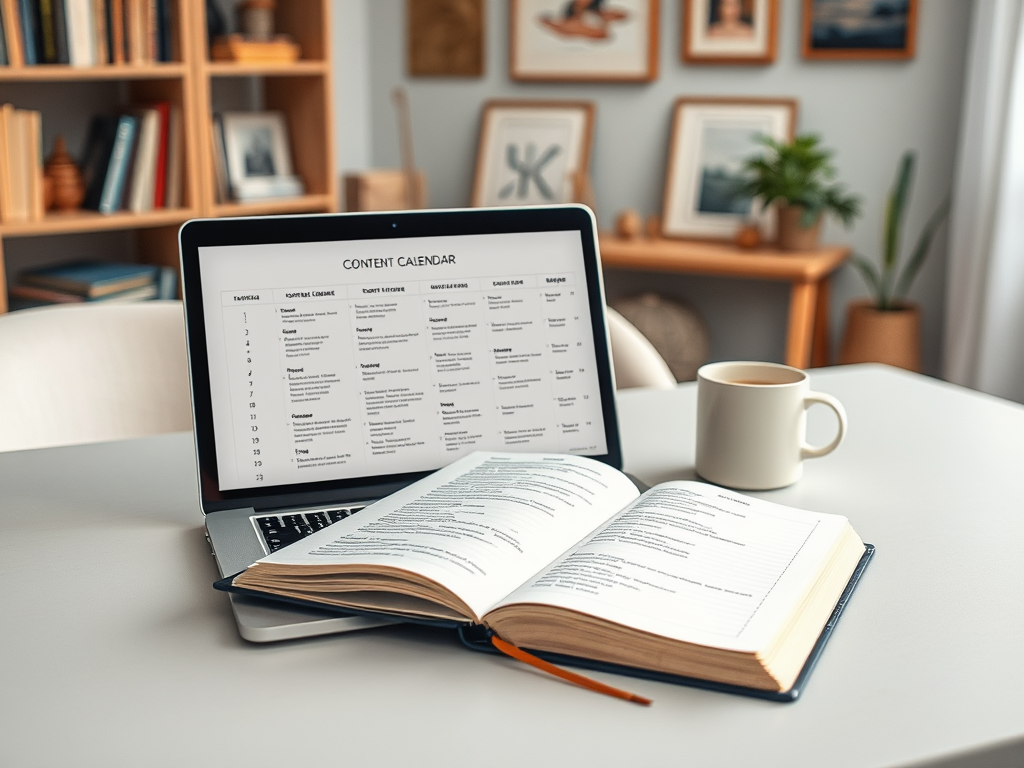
pixel 820 346
pixel 802 297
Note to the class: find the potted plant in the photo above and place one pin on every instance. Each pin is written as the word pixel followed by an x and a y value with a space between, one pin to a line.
pixel 798 177
pixel 887 328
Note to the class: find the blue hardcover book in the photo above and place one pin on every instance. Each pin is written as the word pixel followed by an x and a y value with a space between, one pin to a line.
pixel 688 583
pixel 29 30
pixel 93 279
pixel 117 170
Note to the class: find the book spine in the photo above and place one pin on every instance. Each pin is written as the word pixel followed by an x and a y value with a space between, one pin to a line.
pixel 37 206
pixel 81 33
pixel 144 166
pixel 163 26
pixel 13 31
pixel 98 10
pixel 160 175
pixel 29 28
pixel 150 29
pixel 60 31
pixel 4 57
pixel 116 23
pixel 117 169
pixel 19 169
pixel 167 284
pixel 173 198
pixel 46 36
pixel 5 170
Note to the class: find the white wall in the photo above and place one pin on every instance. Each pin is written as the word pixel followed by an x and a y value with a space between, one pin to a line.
pixel 869 112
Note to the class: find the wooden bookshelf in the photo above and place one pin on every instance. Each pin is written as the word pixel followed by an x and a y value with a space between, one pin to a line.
pixel 300 89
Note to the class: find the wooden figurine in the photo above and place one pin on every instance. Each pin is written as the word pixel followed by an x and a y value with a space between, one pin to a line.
pixel 629 224
pixel 67 188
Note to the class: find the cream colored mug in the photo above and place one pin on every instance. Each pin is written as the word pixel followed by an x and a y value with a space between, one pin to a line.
pixel 752 423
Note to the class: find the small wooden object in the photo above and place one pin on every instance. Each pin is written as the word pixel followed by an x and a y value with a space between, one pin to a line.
pixel 629 224
pixel 748 236
pixel 256 19
pixel 66 187
pixel 237 48
pixel 382 190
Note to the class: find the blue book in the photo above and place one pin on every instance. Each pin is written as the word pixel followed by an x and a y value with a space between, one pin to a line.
pixel 117 168
pixel 29 30
pixel 92 279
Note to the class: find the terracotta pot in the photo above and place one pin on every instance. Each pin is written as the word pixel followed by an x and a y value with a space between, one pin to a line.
pixel 792 236
pixel 891 336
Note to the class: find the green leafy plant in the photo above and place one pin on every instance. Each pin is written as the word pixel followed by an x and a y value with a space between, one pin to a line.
pixel 887 282
pixel 800 173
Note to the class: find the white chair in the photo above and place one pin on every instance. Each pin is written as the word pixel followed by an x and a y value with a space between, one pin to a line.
pixel 85 373
pixel 634 359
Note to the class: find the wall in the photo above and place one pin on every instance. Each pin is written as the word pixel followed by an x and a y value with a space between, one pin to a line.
pixel 869 112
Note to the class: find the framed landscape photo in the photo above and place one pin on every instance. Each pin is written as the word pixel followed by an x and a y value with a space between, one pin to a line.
pixel 710 140
pixel 854 29
pixel 532 152
pixel 730 31
pixel 576 40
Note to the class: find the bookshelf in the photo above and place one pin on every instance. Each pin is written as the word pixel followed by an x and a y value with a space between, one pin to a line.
pixel 300 89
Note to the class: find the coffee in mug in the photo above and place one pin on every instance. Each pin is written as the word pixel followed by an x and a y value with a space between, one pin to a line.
pixel 752 422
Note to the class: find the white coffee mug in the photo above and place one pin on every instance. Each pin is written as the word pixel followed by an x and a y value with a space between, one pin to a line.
pixel 752 423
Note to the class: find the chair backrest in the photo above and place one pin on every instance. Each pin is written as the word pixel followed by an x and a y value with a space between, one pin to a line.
pixel 90 372
pixel 634 359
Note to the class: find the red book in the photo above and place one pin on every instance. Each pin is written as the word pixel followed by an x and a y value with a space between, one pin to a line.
pixel 159 195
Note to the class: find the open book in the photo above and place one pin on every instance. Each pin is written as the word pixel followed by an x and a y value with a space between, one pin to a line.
pixel 561 554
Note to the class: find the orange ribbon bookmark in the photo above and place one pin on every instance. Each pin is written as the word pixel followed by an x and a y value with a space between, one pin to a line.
pixel 584 682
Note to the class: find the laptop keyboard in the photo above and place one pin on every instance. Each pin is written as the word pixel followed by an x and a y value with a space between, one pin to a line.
pixel 281 530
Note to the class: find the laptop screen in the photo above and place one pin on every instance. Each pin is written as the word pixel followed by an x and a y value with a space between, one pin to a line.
pixel 341 360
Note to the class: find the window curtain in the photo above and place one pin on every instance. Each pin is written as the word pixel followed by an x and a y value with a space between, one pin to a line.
pixel 984 339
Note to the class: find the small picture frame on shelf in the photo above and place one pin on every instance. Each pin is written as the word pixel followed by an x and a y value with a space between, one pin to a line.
pixel 257 156
pixel 532 152
pixel 838 29
pixel 710 140
pixel 730 31
pixel 583 40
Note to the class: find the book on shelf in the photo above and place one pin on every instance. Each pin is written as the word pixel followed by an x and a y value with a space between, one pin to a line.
pixel 92 279
pixel 87 33
pixel 41 296
pixel 4 56
pixel 562 556
pixel 141 183
pixel 21 182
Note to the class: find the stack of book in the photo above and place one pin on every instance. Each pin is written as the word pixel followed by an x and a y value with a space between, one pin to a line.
pixel 93 281
pixel 86 33
pixel 21 155
pixel 133 161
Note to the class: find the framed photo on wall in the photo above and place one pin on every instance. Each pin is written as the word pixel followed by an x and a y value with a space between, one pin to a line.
pixel 710 140
pixel 576 40
pixel 847 29
pixel 532 152
pixel 730 31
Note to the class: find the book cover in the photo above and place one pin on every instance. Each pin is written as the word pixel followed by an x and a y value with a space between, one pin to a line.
pixel 115 25
pixel 34 161
pixel 140 193
pixel 174 160
pixel 28 13
pixel 81 33
pixel 117 168
pixel 4 59
pixel 163 108
pixel 13 33
pixel 60 31
pixel 164 23
pixel 92 279
pixel 99 144
pixel 98 8
pixel 6 204
pixel 47 39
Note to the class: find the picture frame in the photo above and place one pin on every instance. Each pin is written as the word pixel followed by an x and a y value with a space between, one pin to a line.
pixel 710 139
pixel 567 41
pixel 532 152
pixel 730 31
pixel 257 156
pixel 445 38
pixel 839 29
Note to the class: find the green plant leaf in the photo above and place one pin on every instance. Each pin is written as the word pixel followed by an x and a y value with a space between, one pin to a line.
pixel 869 271
pixel 924 244
pixel 894 213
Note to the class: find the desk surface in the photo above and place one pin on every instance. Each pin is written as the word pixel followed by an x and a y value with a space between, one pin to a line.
pixel 116 651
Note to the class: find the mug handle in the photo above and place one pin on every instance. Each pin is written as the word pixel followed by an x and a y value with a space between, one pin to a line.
pixel 811 452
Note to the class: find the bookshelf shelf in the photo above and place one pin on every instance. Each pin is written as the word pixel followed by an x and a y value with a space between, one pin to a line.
pixel 266 69
pixel 92 221
pixel 62 73
pixel 300 89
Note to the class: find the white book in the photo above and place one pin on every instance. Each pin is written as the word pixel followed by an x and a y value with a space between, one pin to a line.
pixel 143 184
pixel 81 28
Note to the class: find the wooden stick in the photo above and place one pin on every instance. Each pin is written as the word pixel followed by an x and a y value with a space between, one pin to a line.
pixel 401 100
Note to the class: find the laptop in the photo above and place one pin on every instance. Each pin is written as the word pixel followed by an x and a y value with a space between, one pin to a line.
pixel 336 358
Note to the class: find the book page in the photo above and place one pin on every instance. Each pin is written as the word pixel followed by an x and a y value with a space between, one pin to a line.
pixel 480 527
pixel 693 562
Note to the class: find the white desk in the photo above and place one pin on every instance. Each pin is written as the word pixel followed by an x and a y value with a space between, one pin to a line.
pixel 114 650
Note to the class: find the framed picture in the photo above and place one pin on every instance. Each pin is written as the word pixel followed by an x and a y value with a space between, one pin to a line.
pixel 532 152
pixel 710 140
pixel 572 40
pixel 730 31
pixel 445 38
pixel 258 156
pixel 850 29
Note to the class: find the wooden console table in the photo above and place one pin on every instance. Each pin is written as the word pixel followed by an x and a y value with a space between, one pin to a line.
pixel 808 271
